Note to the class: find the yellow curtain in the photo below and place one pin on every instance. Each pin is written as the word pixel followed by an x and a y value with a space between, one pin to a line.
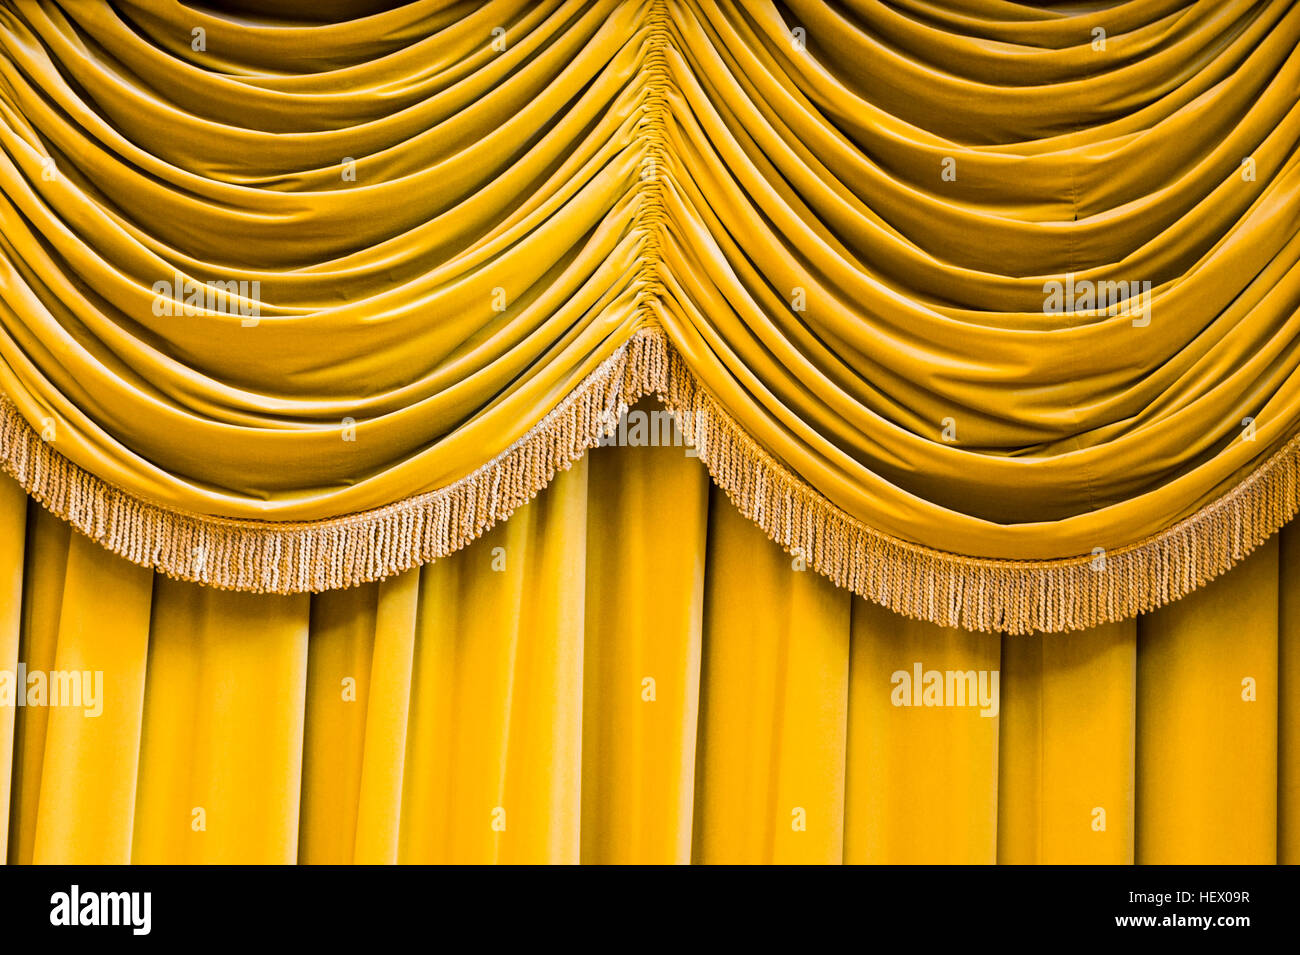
pixel 952 300
pixel 627 671
pixel 977 323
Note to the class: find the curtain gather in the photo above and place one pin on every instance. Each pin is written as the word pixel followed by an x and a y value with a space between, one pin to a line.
pixel 988 315
pixel 628 672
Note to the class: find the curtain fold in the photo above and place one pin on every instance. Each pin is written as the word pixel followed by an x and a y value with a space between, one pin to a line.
pixel 494 745
pixel 45 562
pixel 628 671
pixel 923 780
pixel 221 756
pixel 647 553
pixel 339 665
pixel 13 518
pixel 1208 720
pixel 950 301
pixel 1067 789
pixel 91 820
pixel 774 704
pixel 1288 723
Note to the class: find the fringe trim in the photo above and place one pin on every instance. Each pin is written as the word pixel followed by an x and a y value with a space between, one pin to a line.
pixel 949 590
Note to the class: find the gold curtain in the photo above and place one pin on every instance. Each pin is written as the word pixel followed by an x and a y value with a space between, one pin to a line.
pixel 453 242
pixel 502 711
pixel 980 320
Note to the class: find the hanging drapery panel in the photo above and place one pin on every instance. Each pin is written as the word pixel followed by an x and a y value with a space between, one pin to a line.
pixel 989 316
pixel 593 681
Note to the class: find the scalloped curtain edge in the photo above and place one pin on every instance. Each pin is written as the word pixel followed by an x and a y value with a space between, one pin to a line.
pixel 950 590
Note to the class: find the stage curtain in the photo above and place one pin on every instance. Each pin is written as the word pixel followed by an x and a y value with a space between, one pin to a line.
pixel 986 312
pixel 628 671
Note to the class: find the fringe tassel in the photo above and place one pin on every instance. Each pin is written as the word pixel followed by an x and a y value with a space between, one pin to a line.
pixel 950 590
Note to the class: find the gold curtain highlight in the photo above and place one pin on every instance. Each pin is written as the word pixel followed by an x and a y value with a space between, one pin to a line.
pixel 989 312
pixel 627 671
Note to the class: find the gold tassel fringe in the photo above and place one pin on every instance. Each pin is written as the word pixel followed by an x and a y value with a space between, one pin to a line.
pixel 945 589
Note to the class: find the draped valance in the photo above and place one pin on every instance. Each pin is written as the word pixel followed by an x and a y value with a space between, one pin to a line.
pixel 988 313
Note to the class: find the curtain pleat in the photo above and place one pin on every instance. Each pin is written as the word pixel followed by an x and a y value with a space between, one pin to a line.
pixel 92 820
pixel 1288 723
pixel 1207 718
pixel 494 745
pixel 923 780
pixel 627 671
pixel 774 703
pixel 647 526
pixel 13 529
pixel 46 561
pixel 383 762
pixel 1066 747
pixel 334 746
pixel 224 708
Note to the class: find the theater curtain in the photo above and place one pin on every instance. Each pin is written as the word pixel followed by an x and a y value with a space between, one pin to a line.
pixel 989 312
pixel 501 709
pixel 979 321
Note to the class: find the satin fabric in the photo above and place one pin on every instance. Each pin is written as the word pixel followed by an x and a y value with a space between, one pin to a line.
pixel 628 671
pixel 843 214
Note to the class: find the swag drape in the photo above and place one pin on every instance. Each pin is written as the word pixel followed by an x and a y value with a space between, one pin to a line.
pixel 291 305
pixel 501 712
